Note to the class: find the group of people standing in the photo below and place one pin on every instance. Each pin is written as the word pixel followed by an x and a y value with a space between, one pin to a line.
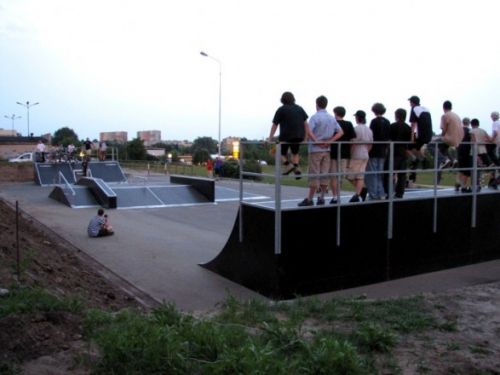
pixel 362 152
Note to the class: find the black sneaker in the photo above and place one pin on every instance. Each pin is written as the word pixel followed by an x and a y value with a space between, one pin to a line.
pixel 289 170
pixel 320 201
pixel 306 202
pixel 466 190
pixel 363 193
pixel 457 186
pixel 354 198
pixel 333 201
pixel 297 173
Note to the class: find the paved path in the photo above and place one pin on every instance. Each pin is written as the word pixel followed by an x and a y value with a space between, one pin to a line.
pixel 158 249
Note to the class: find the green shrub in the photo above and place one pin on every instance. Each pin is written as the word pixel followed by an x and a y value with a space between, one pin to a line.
pixel 231 169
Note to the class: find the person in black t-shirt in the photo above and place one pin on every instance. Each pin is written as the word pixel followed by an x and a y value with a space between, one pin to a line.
pixel 345 150
pixel 399 131
pixel 380 127
pixel 464 158
pixel 292 121
pixel 421 126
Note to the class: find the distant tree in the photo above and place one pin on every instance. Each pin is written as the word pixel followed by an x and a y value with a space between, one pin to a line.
pixel 165 146
pixel 200 156
pixel 206 143
pixel 175 156
pixel 136 149
pixel 64 136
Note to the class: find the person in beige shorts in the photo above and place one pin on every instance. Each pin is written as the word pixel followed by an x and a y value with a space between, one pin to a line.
pixel 322 129
pixel 359 156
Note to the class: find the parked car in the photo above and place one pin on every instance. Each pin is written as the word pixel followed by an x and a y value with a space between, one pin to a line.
pixel 26 157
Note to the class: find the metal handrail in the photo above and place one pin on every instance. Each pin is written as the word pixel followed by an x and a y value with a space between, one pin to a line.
pixel 68 185
pixel 339 174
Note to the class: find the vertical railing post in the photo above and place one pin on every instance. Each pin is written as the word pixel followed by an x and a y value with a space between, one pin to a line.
pixel 390 193
pixel 474 184
pixel 339 185
pixel 277 199
pixel 435 174
pixel 18 253
pixel 240 211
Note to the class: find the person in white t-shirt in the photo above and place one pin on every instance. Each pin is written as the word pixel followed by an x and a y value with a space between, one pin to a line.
pixel 359 156
pixel 495 138
pixel 40 150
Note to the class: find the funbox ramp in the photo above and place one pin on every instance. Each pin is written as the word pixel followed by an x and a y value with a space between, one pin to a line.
pixel 93 191
pixel 310 261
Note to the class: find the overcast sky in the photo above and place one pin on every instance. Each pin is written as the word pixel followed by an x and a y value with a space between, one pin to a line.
pixel 111 65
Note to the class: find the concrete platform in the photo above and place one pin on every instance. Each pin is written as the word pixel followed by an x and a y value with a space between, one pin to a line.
pixel 158 249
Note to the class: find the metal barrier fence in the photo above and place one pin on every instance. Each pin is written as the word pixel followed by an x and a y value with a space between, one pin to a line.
pixel 475 170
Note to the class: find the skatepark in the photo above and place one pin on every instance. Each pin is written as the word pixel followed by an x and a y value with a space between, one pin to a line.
pixel 158 248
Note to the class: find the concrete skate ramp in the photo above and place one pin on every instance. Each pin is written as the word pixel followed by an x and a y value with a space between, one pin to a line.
pixel 47 174
pixel 310 261
pixel 78 197
pixel 102 193
pixel 157 196
pixel 109 171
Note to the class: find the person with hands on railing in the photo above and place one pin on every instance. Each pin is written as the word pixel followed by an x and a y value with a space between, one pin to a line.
pixel 322 128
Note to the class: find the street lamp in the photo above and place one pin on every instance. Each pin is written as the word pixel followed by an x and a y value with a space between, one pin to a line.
pixel 220 94
pixel 13 118
pixel 27 105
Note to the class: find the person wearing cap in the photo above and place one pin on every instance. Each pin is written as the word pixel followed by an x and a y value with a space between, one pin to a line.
pixel 421 125
pixel 322 129
pixel 380 128
pixel 292 121
pixel 359 156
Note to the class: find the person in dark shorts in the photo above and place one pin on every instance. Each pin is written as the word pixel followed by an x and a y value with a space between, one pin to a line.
pixel 345 151
pixel 464 158
pixel 292 121
pixel 99 225
pixel 399 132
pixel 421 126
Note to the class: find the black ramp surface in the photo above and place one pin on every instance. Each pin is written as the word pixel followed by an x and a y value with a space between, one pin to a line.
pixel 311 262
pixel 48 173
pixel 205 186
pixel 171 195
pixel 109 171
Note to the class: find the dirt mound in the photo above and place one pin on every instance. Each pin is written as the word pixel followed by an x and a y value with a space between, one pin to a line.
pixel 51 264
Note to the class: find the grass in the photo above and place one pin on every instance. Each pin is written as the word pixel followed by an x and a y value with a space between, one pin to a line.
pixel 304 336
pixel 256 338
pixel 28 300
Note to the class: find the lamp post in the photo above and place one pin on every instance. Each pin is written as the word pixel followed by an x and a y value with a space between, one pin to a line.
pixel 220 95
pixel 13 118
pixel 27 105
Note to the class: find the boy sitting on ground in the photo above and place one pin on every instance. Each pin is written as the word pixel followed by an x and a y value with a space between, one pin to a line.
pixel 99 225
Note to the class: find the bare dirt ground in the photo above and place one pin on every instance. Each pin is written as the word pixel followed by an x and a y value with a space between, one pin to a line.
pixel 51 343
